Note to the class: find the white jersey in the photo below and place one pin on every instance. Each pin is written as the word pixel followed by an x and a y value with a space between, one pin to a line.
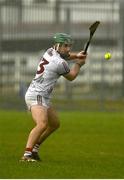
pixel 50 68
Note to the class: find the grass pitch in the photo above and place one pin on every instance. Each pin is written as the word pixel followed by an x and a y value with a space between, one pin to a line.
pixel 87 145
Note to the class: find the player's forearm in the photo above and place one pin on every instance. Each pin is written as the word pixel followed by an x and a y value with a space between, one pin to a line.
pixel 73 55
pixel 77 55
pixel 74 71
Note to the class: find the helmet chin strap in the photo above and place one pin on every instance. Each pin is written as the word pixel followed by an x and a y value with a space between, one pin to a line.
pixel 56 47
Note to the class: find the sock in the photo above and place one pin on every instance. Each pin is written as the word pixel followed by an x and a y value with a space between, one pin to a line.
pixel 36 148
pixel 28 152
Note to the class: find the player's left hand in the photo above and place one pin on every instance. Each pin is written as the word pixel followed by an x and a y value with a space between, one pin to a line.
pixel 77 55
pixel 81 55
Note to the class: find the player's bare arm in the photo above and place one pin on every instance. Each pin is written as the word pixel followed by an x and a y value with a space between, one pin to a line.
pixel 76 55
pixel 74 71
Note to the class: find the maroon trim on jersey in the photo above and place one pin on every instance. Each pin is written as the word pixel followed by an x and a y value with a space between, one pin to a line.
pixel 67 70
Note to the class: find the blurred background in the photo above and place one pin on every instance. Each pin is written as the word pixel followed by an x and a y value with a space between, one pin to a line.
pixel 26 31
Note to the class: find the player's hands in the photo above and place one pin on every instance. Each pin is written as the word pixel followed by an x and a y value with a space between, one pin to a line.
pixel 81 58
pixel 76 56
pixel 81 55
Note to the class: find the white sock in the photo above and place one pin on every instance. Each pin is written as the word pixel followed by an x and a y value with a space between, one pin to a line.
pixel 27 153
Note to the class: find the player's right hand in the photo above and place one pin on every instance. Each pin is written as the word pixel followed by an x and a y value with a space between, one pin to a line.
pixel 81 58
pixel 81 55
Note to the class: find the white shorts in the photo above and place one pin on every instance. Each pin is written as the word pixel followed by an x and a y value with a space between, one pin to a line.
pixel 36 99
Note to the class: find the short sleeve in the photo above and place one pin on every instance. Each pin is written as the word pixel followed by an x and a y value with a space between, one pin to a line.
pixel 63 68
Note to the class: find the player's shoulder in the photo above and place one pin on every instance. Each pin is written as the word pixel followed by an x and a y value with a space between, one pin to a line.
pixel 49 51
pixel 53 55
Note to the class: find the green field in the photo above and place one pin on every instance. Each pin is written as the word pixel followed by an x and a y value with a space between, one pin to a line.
pixel 87 145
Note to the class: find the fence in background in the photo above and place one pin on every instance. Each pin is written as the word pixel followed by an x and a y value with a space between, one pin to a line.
pixel 26 31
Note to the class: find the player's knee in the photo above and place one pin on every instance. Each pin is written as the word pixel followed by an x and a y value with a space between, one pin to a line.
pixel 42 125
pixel 56 125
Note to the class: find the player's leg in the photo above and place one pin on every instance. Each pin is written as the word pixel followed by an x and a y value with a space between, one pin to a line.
pixel 40 117
pixel 53 124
